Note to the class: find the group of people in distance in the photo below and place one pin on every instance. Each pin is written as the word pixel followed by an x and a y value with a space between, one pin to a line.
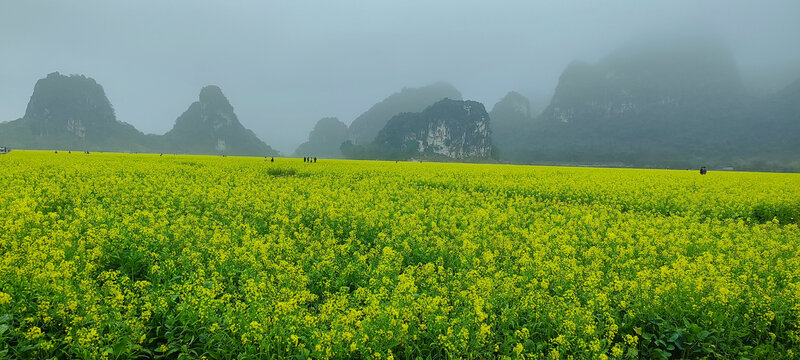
pixel 310 159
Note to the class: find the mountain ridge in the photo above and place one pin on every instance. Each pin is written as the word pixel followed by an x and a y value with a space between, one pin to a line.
pixel 70 112
pixel 210 126
pixel 448 129
pixel 325 139
pixel 73 112
pixel 677 107
pixel 367 125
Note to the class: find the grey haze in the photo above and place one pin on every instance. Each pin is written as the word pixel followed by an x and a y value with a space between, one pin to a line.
pixel 286 64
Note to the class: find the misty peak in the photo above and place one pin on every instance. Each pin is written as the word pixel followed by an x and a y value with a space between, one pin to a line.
pixel 70 112
pixel 442 86
pixel 455 129
pixel 210 92
pixel 511 116
pixel 68 104
pixel 325 139
pixel 364 128
pixel 644 79
pixel 209 126
pixel 516 102
pixel 212 95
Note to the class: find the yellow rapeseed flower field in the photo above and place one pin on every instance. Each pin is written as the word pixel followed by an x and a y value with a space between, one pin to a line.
pixel 146 256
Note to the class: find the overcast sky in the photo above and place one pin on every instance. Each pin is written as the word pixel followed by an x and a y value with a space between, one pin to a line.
pixel 285 64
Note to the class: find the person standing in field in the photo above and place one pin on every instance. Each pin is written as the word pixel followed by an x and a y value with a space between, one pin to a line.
pixel 703 170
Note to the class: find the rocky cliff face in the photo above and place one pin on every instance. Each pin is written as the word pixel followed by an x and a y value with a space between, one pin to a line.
pixel 210 126
pixel 452 128
pixel 365 127
pixel 70 112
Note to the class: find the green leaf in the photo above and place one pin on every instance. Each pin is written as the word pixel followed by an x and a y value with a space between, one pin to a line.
pixel 675 336
pixel 121 346
pixel 3 328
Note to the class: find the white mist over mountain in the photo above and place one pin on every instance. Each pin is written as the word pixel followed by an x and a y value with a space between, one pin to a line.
pixel 285 65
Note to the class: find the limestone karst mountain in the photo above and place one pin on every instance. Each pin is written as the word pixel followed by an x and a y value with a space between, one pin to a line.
pixel 365 127
pixel 70 112
pixel 656 104
pixel 325 139
pixel 511 119
pixel 209 126
pixel 448 129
